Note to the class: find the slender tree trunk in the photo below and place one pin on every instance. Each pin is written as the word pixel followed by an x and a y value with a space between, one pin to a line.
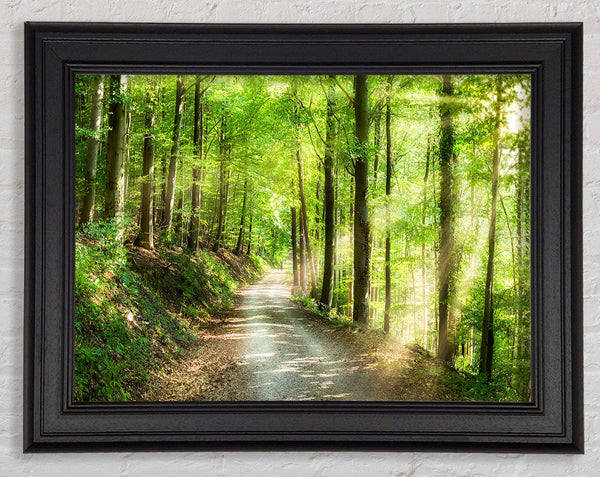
pixel 115 151
pixel 361 204
pixel 294 250
pixel 302 257
pixel 127 159
pixel 221 209
pixel 240 241
pixel 178 219
pixel 423 263
pixel 163 190
pixel 448 198
pixel 305 231
pixel 224 230
pixel 520 255
pixel 388 192
pixel 336 273
pixel 318 215
pixel 487 331
pixel 170 192
pixel 222 188
pixel 351 270
pixel 93 142
pixel 329 202
pixel 250 233
pixel 374 271
pixel 377 146
pixel 146 213
pixel 197 170
pixel 522 375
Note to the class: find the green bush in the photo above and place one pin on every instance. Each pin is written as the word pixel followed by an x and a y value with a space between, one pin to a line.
pixel 121 327
pixel 133 314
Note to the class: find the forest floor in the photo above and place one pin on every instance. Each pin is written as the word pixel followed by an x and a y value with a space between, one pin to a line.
pixel 266 347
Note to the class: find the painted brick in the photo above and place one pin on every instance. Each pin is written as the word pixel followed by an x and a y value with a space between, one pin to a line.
pixel 228 464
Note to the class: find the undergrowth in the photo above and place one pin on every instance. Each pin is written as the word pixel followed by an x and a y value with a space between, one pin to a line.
pixel 434 376
pixel 330 314
pixel 136 309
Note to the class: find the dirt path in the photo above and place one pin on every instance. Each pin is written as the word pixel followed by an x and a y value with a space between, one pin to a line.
pixel 268 348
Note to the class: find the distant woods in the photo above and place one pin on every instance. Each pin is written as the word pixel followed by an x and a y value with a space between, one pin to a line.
pixel 401 202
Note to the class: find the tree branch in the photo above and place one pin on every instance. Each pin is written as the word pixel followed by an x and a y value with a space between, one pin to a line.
pixel 345 92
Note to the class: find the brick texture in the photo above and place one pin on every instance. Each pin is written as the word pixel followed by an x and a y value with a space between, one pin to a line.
pixel 226 464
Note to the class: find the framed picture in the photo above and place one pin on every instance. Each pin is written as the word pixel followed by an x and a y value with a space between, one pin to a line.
pixel 303 236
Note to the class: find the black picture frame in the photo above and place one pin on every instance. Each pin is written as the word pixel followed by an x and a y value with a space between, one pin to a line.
pixel 551 53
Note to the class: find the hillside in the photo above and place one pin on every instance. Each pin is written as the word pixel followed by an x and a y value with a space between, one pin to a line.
pixel 137 309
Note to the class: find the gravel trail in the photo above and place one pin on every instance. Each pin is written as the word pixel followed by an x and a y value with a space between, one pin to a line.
pixel 269 348
pixel 291 354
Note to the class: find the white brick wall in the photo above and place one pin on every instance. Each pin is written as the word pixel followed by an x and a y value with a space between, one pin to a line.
pixel 225 464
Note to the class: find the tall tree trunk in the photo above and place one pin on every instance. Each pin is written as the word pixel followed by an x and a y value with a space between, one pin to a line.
pixel 377 147
pixel 178 219
pixel 163 190
pixel 126 160
pixel 522 375
pixel 318 214
pixel 336 272
pixel 329 201
pixel 294 250
pixel 194 241
pixel 374 272
pixel 170 192
pixel 305 231
pixel 250 232
pixel 222 188
pixel 388 192
pixel 487 330
pixel 93 142
pixel 423 263
pixel 350 272
pixel 448 197
pixel 146 213
pixel 228 181
pixel 302 258
pixel 240 241
pixel 361 204
pixel 114 200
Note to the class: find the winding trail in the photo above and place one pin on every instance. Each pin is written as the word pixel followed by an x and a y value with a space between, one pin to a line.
pixel 267 348
pixel 291 355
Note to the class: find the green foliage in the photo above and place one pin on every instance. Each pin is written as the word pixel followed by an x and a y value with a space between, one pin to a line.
pixel 257 127
pixel 330 314
pixel 133 314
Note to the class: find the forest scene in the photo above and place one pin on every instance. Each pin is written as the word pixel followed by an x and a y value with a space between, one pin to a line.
pixel 322 237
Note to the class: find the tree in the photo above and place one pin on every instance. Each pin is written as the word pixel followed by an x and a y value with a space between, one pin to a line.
pixel 361 206
pixel 197 171
pixel 294 250
pixel 240 241
pixel 521 377
pixel 114 199
pixel 305 241
pixel 388 191
pixel 423 261
pixel 329 201
pixel 89 199
pixel 487 331
pixel 250 233
pixel 223 148
pixel 302 257
pixel 170 188
pixel 448 198
pixel 146 213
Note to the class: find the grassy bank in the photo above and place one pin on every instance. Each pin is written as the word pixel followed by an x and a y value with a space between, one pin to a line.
pixel 136 309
